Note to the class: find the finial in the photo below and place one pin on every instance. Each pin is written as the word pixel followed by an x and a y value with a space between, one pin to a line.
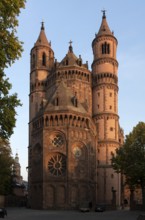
pixel 70 43
pixel 42 25
pixel 104 15
pixel 70 47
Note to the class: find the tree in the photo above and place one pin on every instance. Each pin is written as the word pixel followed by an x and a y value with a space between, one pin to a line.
pixel 11 49
pixel 6 162
pixel 129 159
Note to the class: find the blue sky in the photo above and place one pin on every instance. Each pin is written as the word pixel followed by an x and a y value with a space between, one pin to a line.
pixel 79 20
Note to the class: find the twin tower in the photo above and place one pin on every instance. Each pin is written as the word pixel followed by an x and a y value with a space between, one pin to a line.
pixel 74 125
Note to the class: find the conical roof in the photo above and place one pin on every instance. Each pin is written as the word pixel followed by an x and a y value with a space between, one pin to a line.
pixel 104 28
pixel 42 39
pixel 71 59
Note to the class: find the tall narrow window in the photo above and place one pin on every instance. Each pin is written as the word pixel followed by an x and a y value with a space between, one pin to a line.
pixel 44 59
pixel 108 48
pixel 75 102
pixel 105 48
pixel 56 101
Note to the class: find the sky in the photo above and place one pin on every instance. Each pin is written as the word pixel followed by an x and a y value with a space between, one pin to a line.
pixel 79 21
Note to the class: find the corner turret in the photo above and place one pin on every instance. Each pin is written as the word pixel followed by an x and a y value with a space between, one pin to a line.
pixel 42 63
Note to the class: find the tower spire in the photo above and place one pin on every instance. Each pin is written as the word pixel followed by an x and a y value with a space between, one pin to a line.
pixel 104 28
pixel 42 39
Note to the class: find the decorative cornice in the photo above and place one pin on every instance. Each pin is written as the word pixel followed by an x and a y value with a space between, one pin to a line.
pixel 105 60
pixel 49 120
pixel 103 38
pixel 69 74
pixel 101 85
pixel 105 115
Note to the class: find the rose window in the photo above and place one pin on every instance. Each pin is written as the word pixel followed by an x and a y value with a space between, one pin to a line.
pixel 57 141
pixel 57 165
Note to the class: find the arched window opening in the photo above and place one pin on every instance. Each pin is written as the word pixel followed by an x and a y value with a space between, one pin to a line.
pixel 105 48
pixel 108 48
pixel 44 59
pixel 75 101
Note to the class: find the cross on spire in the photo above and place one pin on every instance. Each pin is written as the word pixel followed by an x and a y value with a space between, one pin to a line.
pixel 70 43
pixel 70 46
pixel 104 11
pixel 42 25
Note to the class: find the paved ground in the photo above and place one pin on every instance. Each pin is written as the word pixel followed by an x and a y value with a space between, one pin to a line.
pixel 29 214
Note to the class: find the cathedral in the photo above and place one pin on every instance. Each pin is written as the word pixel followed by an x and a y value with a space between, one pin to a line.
pixel 73 125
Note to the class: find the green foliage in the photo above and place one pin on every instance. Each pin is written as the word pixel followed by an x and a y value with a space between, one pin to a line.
pixel 11 49
pixel 129 159
pixel 7 114
pixel 6 162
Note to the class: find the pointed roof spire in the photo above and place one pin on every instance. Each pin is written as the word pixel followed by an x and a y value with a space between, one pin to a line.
pixel 104 28
pixel 42 39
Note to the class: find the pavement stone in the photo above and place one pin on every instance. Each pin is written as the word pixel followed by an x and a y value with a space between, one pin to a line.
pixel 30 214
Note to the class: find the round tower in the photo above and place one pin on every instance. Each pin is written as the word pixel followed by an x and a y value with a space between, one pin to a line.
pixel 41 65
pixel 42 62
pixel 105 109
pixel 17 167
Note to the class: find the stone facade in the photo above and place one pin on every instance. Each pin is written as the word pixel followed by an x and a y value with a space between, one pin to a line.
pixel 74 125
